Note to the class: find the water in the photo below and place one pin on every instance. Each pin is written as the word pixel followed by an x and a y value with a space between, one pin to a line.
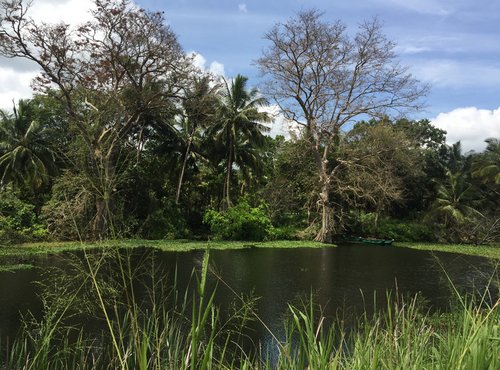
pixel 343 280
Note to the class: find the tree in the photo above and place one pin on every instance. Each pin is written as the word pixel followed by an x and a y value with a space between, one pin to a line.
pixel 454 204
pixel 487 165
pixel 454 160
pixel 375 160
pixel 26 157
pixel 239 129
pixel 422 133
pixel 324 79
pixel 486 171
pixel 291 192
pixel 429 145
pixel 108 74
pixel 199 113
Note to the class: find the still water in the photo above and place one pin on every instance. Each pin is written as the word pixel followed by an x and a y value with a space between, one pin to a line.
pixel 342 280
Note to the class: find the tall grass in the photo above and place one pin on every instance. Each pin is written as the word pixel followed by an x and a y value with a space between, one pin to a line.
pixel 160 328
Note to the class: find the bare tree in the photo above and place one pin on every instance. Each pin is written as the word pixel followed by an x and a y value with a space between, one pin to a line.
pixel 108 74
pixel 323 78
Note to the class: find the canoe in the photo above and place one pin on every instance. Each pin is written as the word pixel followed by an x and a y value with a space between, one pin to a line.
pixel 377 241
pixel 372 241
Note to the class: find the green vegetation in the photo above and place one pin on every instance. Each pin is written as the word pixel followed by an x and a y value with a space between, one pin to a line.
pixel 491 251
pixel 13 268
pixel 401 231
pixel 241 222
pixel 178 245
pixel 18 220
pixel 11 255
pixel 141 144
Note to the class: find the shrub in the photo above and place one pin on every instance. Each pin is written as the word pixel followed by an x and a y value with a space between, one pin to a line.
pixel 399 230
pixel 404 231
pixel 164 223
pixel 241 222
pixel 70 210
pixel 285 233
pixel 18 221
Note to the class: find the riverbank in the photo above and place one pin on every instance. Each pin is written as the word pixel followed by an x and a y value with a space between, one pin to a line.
pixel 178 245
pixel 18 256
pixel 490 251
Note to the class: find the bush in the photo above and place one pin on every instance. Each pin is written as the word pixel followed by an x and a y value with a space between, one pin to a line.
pixel 405 231
pixel 164 223
pixel 285 233
pixel 241 222
pixel 399 230
pixel 70 210
pixel 18 221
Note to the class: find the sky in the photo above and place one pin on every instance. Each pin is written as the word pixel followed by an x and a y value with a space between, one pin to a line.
pixel 454 45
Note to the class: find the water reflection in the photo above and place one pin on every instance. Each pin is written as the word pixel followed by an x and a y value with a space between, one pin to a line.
pixel 343 280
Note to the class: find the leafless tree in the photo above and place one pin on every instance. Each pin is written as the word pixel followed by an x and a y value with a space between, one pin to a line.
pixel 323 78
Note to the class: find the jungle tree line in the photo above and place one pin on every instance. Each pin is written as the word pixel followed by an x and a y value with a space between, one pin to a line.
pixel 125 137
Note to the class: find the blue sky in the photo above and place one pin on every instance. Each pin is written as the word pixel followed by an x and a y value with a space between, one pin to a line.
pixel 452 44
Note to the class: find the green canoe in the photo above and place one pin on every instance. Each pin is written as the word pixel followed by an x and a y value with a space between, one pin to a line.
pixel 372 241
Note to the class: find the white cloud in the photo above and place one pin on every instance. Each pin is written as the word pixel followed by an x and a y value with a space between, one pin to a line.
pixel 242 8
pixel 412 49
pixel 457 74
pixel 200 62
pixel 67 11
pixel 14 85
pixel 216 68
pixel 415 42
pixel 471 126
pixel 16 74
pixel 280 125
pixel 431 7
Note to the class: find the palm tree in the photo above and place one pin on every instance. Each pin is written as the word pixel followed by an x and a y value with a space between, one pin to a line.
pixel 487 166
pixel 198 113
pixel 455 200
pixel 239 127
pixel 456 161
pixel 25 154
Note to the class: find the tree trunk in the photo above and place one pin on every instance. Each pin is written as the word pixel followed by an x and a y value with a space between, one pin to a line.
pixel 226 201
pixel 99 223
pixel 181 176
pixel 320 155
pixel 325 233
pixel 103 225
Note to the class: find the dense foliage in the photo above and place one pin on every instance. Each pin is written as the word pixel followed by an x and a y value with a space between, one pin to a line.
pixel 241 222
pixel 126 138
pixel 18 221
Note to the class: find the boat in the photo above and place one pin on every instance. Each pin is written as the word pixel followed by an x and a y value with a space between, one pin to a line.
pixel 359 239
pixel 376 241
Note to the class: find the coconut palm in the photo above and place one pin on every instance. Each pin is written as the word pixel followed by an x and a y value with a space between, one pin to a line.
pixel 487 166
pixel 239 127
pixel 455 161
pixel 455 200
pixel 198 109
pixel 25 154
